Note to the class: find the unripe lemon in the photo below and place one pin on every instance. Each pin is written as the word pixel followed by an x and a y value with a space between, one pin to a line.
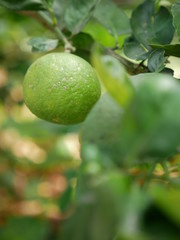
pixel 61 88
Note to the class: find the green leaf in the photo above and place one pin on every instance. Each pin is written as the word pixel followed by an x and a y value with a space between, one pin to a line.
pixel 114 77
pixel 163 29
pixel 170 49
pixel 42 44
pixel 134 50
pixel 141 22
pixel 82 41
pixel 66 199
pixel 151 27
pixel 176 16
pixel 112 18
pixel 156 60
pixel 77 13
pixel 59 8
pixel 99 34
pixel 17 5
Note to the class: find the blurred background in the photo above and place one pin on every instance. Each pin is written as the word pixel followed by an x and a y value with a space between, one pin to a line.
pixel 39 163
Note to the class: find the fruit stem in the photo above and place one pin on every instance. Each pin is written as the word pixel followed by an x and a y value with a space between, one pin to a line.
pixel 53 17
pixel 149 176
pixel 52 22
pixel 132 68
pixel 50 11
pixel 166 170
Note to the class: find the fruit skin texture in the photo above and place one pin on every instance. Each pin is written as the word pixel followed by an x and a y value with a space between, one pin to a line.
pixel 61 88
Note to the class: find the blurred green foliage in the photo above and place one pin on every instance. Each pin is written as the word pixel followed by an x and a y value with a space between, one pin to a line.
pixel 59 182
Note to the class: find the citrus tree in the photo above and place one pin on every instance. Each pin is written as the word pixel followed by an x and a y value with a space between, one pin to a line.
pixel 106 75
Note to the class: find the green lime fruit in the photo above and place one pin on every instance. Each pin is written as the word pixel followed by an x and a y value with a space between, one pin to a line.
pixel 150 128
pixel 61 88
pixel 99 134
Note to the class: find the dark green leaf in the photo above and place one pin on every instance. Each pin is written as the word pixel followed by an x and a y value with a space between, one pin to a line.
pixel 77 13
pixel 170 50
pixel 113 18
pixel 163 29
pixel 157 225
pixel 169 71
pixel 134 50
pixel 35 5
pixel 42 44
pixel 176 16
pixel 66 199
pixel 151 27
pixel 156 60
pixel 82 41
pixel 141 22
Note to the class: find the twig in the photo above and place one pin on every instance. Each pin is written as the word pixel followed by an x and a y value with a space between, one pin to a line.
pixel 149 176
pixel 53 24
pixel 130 67
pixel 166 170
pixel 50 23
